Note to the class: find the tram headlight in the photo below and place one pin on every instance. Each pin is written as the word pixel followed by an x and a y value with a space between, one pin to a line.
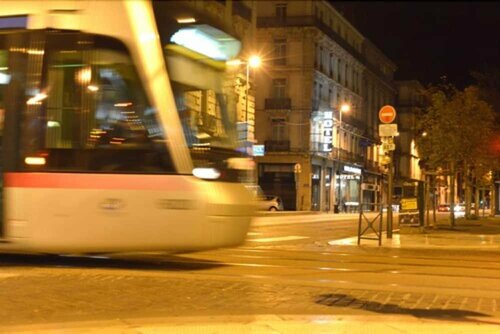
pixel 206 173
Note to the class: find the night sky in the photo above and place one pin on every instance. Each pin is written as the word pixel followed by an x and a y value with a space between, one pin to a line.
pixel 427 40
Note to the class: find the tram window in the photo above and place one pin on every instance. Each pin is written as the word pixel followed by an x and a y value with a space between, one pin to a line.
pixel 97 114
pixel 4 81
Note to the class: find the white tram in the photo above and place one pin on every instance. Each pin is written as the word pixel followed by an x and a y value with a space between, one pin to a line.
pixel 116 131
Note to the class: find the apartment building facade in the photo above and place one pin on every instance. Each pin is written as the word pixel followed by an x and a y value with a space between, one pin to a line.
pixel 315 62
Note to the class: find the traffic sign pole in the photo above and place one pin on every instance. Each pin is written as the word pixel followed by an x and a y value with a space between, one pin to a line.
pixel 387 115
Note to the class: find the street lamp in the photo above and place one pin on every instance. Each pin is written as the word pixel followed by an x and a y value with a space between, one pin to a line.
pixel 252 62
pixel 343 108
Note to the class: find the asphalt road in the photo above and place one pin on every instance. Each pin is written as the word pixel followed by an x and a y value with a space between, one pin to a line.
pixel 285 268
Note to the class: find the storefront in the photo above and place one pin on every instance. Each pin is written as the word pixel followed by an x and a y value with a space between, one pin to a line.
pixel 347 188
pixel 316 188
pixel 279 180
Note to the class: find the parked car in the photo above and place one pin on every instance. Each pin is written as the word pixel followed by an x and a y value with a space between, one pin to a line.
pixel 444 208
pixel 265 202
pixel 459 207
pixel 270 203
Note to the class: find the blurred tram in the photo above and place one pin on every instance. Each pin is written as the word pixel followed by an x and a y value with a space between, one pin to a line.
pixel 116 130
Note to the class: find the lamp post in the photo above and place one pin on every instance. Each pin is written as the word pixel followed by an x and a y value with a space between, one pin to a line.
pixel 344 108
pixel 251 62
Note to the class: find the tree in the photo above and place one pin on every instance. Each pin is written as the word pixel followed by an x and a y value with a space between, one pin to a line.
pixel 458 125
pixel 488 81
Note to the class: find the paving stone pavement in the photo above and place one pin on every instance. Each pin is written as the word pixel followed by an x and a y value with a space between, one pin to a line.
pixel 43 297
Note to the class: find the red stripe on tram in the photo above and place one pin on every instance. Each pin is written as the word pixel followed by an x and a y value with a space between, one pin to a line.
pixel 97 181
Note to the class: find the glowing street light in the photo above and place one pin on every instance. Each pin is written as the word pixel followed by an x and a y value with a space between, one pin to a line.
pixel 254 61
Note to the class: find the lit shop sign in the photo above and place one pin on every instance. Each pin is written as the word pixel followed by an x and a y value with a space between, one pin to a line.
pixel 352 169
pixel 327 131
pixel 258 150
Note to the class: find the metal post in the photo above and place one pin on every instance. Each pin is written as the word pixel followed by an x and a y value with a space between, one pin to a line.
pixel 246 105
pixel 338 160
pixel 389 199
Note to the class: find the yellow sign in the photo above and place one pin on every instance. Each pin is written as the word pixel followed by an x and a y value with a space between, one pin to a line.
pixel 409 204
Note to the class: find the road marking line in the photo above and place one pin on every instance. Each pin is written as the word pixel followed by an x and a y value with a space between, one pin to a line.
pixel 6 275
pixel 290 237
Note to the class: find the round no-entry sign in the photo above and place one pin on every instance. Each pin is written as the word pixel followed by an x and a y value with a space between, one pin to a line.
pixel 387 114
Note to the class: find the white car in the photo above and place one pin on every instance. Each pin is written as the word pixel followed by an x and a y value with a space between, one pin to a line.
pixel 270 203
pixel 265 202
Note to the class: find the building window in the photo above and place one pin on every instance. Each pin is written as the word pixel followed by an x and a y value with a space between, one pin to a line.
pixel 279 88
pixel 320 88
pixel 281 11
pixel 346 78
pixel 339 69
pixel 320 56
pixel 330 95
pixel 278 129
pixel 280 51
pixel 331 65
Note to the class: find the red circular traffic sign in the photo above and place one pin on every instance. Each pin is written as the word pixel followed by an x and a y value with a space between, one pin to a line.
pixel 387 114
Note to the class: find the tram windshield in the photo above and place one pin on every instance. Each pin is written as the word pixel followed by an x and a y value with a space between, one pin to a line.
pixel 196 55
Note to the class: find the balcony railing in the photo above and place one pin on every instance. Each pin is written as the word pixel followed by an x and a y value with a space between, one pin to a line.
pixel 347 156
pixel 282 103
pixel 277 145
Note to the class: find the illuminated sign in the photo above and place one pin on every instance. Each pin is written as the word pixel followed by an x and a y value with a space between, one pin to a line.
pixel 327 131
pixel 352 169
pixel 258 150
pixel 208 41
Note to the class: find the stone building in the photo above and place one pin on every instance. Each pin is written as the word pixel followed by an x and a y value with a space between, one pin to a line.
pixel 314 62
pixel 409 99
pixel 238 19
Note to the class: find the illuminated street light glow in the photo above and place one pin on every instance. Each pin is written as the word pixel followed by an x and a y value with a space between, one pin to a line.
pixel 345 108
pixel 254 61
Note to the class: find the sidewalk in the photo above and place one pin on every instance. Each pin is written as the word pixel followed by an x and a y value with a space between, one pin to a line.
pixel 480 234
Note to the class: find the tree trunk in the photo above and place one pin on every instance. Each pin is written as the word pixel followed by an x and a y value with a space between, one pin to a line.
pixel 427 201
pixel 468 191
pixel 493 200
pixel 476 201
pixel 434 201
pixel 452 194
